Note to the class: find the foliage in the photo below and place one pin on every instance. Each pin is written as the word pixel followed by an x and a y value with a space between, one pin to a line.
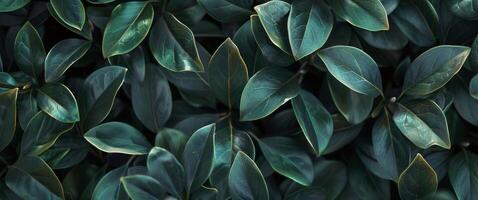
pixel 238 99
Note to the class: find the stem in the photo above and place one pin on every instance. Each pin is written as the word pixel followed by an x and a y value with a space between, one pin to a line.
pixel 304 68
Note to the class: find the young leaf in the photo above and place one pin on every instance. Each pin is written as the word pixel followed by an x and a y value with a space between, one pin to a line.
pixel 98 93
pixel 71 13
pixel 227 11
pixel 365 14
pixel 273 16
pixel 29 52
pixel 463 173
pixel 58 101
pixel 266 91
pixel 309 26
pixel 287 157
pixel 246 180
pixel 353 68
pixel 164 166
pixel 128 26
pixel 141 187
pixel 151 98
pixel 62 56
pixel 8 116
pixel 227 73
pixel 126 139
pixel 173 45
pixel 433 69
pixel 423 123
pixel 198 157
pixel 41 133
pixel 418 180
pixel 315 121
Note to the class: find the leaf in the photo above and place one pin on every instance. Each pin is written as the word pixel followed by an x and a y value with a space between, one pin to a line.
pixel 413 23
pixel 85 32
pixel 141 187
pixel 8 116
pixel 27 106
pixel 134 61
pixel 126 139
pixel 423 123
pixel 273 16
pixel 246 180
pixel 271 52
pixel 309 26
pixel 11 5
pixel 31 178
pixel 164 166
pixel 433 69
pixel 365 184
pixel 29 52
pixel 80 181
pixel 366 14
pixel 473 88
pixel 71 12
pixel 172 140
pixel 98 93
pixel 61 56
pixel 465 9
pixel 417 180
pixel 315 121
pixel 287 158
pixel 58 101
pixel 198 157
pixel 227 73
pixel 151 98
pixel 464 103
pixel 128 26
pixel 463 173
pixel 267 90
pixel 173 46
pixel 227 11
pixel 392 39
pixel 100 1
pixel 354 106
pixel 353 68
pixel 109 187
pixel 41 134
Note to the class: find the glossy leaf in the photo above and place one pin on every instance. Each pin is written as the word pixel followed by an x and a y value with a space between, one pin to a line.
pixel 58 101
pixel 71 12
pixel 227 73
pixel 109 187
pixel 353 68
pixel 172 140
pixel 413 24
pixel 173 46
pixel 164 166
pixel 246 180
pixel 11 5
pixel 473 88
pixel 8 116
pixel 273 16
pixel 365 14
pixel 64 54
pixel 433 69
pixel 227 11
pixel 309 26
pixel 141 187
pixel 463 174
pixel 464 8
pixel 315 121
pixel 128 26
pixel 126 139
pixel 151 98
pixel 267 90
pixel 29 52
pixel 417 180
pixel 85 32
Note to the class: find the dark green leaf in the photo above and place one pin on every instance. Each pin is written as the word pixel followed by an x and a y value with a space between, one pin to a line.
pixel 365 14
pixel 474 87
pixel 109 187
pixel 85 32
pixel 245 179
pixel 171 140
pixel 417 180
pixel 463 173
pixel 62 56
pixel 464 8
pixel 58 101
pixel 8 116
pixel 11 5
pixel 164 166
pixel 412 23
pixel 273 16
pixel 71 13
pixel 126 139
pixel 29 52
pixel 227 11
pixel 141 187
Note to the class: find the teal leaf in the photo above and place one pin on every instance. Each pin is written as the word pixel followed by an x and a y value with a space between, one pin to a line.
pixel 246 180
pixel 126 139
pixel 366 14
pixel 227 11
pixel 164 166
pixel 58 101
pixel 463 173
pixel 61 56
pixel 418 180
pixel 273 16
pixel 309 26
pixel 198 157
pixel 266 91
pixel 109 187
pixel 141 187
pixel 71 13
pixel 8 116
pixel 315 121
pixel 423 123
pixel 29 52
pixel 173 45
pixel 172 140
pixel 227 73
pixel 473 88
pixel 85 32
pixel 128 26
pixel 353 68
pixel 12 5
pixel 433 69
pixel 465 9
pixel 413 24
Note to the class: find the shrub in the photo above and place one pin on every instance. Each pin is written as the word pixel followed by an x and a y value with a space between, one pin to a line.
pixel 241 99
